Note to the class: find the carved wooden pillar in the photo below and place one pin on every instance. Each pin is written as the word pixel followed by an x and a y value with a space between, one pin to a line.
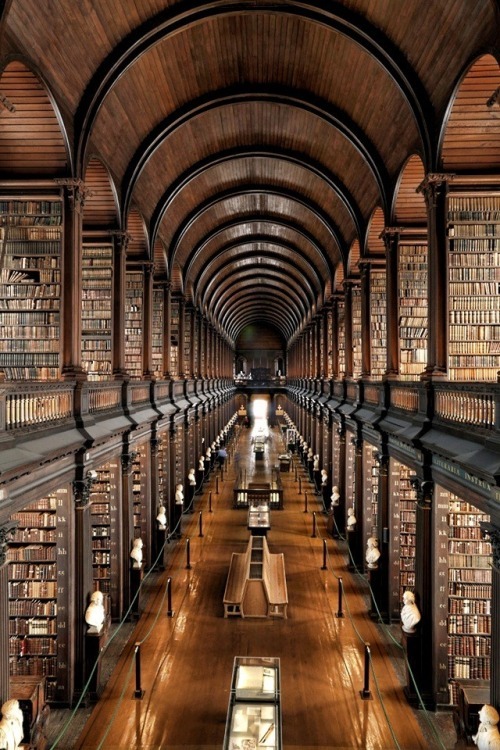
pixel 71 332
pixel 421 648
pixel 208 349
pixel 391 240
pixel 167 329
pixel 366 343
pixel 325 343
pixel 435 189
pixel 83 583
pixel 120 242
pixel 355 538
pixel 381 581
pixel 201 345
pixel 147 352
pixel 6 532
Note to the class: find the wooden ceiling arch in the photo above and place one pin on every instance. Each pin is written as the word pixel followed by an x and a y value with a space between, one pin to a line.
pixel 247 294
pixel 276 313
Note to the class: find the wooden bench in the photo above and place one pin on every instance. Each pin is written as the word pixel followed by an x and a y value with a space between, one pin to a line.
pixel 235 584
pixel 256 583
pixel 275 584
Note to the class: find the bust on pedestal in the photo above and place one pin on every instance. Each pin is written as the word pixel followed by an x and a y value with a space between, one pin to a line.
pixel 95 639
pixel 410 614
pixel 372 553
pixel 95 615
pixel 351 520
pixel 136 553
pixel 11 725
pixel 488 736
pixel 162 518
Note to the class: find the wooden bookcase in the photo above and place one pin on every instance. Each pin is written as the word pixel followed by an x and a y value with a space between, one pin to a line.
pixel 466 633
pixel 402 503
pixel 357 360
pixel 141 494
pixel 174 344
pixel 341 337
pixel 350 476
pixel 157 333
pixel 378 323
pixel 413 309
pixel 104 499
pixel 31 239
pixel 97 295
pixel 39 583
pixel 369 517
pixel 134 323
pixel 474 286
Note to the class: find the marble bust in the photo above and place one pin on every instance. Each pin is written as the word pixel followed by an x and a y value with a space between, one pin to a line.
pixel 410 614
pixel 162 518
pixel 324 477
pixel 316 462
pixel 488 736
pixel 372 553
pixel 201 464
pixel 179 494
pixel 95 614
pixel 136 552
pixel 11 725
pixel 191 477
pixel 335 498
pixel 351 519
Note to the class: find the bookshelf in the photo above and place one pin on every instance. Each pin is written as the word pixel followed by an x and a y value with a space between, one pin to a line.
pixel 329 338
pixel 140 493
pixel 97 294
pixel 39 577
pixel 378 323
pixel 403 507
pixel 134 311
pixel 341 337
pixel 357 359
pixel 413 309
pixel 474 287
pixel 157 333
pixel 174 344
pixel 469 593
pixel 30 287
pixel 370 492
pixel 104 499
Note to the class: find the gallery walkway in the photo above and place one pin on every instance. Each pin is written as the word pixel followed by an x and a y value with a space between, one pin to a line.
pixel 187 659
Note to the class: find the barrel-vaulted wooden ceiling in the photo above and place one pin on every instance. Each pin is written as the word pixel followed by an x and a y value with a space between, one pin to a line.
pixel 248 146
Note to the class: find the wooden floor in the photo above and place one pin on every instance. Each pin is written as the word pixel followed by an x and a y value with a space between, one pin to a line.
pixel 187 659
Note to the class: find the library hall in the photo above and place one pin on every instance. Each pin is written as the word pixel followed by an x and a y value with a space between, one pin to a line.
pixel 250 374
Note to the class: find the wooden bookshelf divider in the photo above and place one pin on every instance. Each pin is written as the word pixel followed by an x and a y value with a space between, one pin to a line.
pixel 31 233
pixel 134 323
pixel 97 296
pixel 105 531
pixel 378 323
pixel 370 493
pixel 402 503
pixel 141 495
pixel 341 336
pixel 157 333
pixel 413 309
pixel 357 359
pixel 474 286
pixel 39 594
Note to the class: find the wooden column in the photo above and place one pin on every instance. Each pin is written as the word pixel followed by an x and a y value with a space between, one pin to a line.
pixel 120 242
pixel 493 532
pixel 435 189
pixel 127 527
pixel 325 343
pixel 71 330
pixel 6 532
pixel 83 584
pixel 147 322
pixel 380 582
pixel 193 344
pixel 201 345
pixel 366 336
pixel 355 538
pixel 334 343
pixel 391 240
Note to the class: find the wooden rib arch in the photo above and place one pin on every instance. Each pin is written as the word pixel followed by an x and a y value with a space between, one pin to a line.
pixel 354 256
pixel 231 195
pixel 274 315
pixel 268 294
pixel 171 21
pixel 374 241
pixel 138 244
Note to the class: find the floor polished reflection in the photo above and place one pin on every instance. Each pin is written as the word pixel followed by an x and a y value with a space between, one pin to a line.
pixel 187 660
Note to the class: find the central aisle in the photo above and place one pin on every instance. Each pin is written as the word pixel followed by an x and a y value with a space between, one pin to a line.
pixel 187 660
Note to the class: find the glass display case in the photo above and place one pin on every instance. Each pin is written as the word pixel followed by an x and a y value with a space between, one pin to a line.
pixel 259 519
pixel 254 713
